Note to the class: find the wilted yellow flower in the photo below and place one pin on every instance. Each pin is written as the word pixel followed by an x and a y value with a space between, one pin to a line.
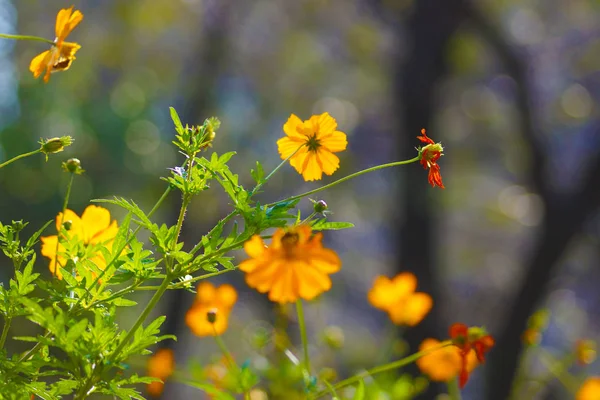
pixel 590 390
pixel 209 315
pixel 294 266
pixel 317 139
pixel 94 227
pixel 443 364
pixel 398 298
pixel 161 366
pixel 62 54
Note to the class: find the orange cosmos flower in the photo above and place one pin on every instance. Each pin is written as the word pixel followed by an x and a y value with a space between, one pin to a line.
pixel 429 156
pixel 209 315
pixel 94 227
pixel 161 366
pixel 445 363
pixel 317 139
pixel 62 54
pixel 467 339
pixel 398 298
pixel 590 390
pixel 294 266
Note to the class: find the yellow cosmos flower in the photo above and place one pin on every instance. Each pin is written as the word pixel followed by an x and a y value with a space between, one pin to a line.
pixel 294 266
pixel 590 390
pixel 317 139
pixel 398 298
pixel 94 227
pixel 161 366
pixel 209 315
pixel 443 364
pixel 62 54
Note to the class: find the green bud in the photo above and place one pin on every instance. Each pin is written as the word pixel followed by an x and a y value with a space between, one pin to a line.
pixel 73 165
pixel 320 206
pixel 67 225
pixel 55 145
pixel 334 337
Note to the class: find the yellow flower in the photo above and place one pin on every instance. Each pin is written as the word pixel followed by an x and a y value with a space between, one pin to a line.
pixel 317 139
pixel 94 227
pixel 443 364
pixel 62 54
pixel 295 265
pixel 590 390
pixel 161 366
pixel 398 298
pixel 209 315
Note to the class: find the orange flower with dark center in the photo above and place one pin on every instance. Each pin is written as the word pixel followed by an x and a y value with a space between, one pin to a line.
pixel 311 145
pixel 161 366
pixel 294 266
pixel 429 156
pixel 62 54
pixel 209 315
pixel 398 298
pixel 470 339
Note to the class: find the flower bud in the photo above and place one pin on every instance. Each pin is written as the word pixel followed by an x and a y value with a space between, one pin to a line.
pixel 320 206
pixel 67 225
pixel 73 165
pixel 55 145
pixel 334 337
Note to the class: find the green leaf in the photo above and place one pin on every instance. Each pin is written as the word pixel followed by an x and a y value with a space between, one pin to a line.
pixel 33 239
pixel 121 302
pixel 77 330
pixel 258 174
pixel 176 120
pixel 323 225
pixel 360 391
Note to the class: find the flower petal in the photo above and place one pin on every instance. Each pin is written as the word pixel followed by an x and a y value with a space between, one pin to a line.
pixel 95 220
pixel 329 161
pixel 254 247
pixel 40 63
pixel 286 146
pixel 312 169
pixel 294 128
pixel 334 142
pixel 205 293
pixel 226 296
pixel 66 21
pixel 326 124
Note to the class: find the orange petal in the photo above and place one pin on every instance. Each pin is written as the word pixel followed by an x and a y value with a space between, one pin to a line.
pixel 311 282
pixel 413 310
pixel 95 219
pixel 66 21
pixel 254 247
pixel 205 293
pixel 40 63
pixel 226 295
pixel 383 294
pixel 404 283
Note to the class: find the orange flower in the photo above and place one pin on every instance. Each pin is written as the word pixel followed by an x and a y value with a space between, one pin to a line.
pixel 94 227
pixel 161 366
pixel 317 139
pixel 398 298
pixel 585 350
pixel 429 156
pixel 209 315
pixel 467 339
pixel 295 265
pixel 62 54
pixel 444 364
pixel 590 390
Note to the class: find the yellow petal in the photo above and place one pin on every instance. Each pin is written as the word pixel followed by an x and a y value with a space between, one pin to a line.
pixel 95 220
pixel 311 281
pixel 382 294
pixel 297 161
pixel 311 169
pixel 254 247
pixel 66 21
pixel 326 123
pixel 405 283
pixel 286 146
pixel 411 310
pixel 334 142
pixel 329 161
pixel 283 289
pixel 40 63
pixel 294 127
pixel 107 235
pixel 227 296
pixel 76 225
pixel 325 260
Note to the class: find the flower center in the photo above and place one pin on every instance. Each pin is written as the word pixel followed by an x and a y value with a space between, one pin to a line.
pixel 289 241
pixel 313 143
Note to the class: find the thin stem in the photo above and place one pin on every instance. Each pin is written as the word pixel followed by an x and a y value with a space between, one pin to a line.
pixel 31 153
pixel 26 37
pixel 453 389
pixel 62 220
pixel 281 164
pixel 149 307
pixel 5 329
pixel 559 370
pixel 183 283
pixel 224 349
pixel 303 336
pixel 383 368
pixel 346 178
pixel 307 219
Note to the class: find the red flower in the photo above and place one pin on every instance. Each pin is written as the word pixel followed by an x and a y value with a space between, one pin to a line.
pixel 429 156
pixel 477 340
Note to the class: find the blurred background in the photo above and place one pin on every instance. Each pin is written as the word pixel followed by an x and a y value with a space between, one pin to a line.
pixel 511 88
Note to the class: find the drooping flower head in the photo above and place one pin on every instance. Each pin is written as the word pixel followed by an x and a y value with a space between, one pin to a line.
pixel 317 139
pixel 161 366
pixel 209 315
pixel 295 265
pixel 430 153
pixel 62 54
pixel 445 363
pixel 467 339
pixel 93 228
pixel 398 298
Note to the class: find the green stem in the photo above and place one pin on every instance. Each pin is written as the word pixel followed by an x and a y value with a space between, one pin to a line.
pixel 26 37
pixel 303 336
pixel 224 349
pixel 31 153
pixel 346 178
pixel 307 219
pixel 182 284
pixel 383 368
pixel 453 389
pixel 149 307
pixel 559 370
pixel 5 330
pixel 260 184
pixel 60 225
